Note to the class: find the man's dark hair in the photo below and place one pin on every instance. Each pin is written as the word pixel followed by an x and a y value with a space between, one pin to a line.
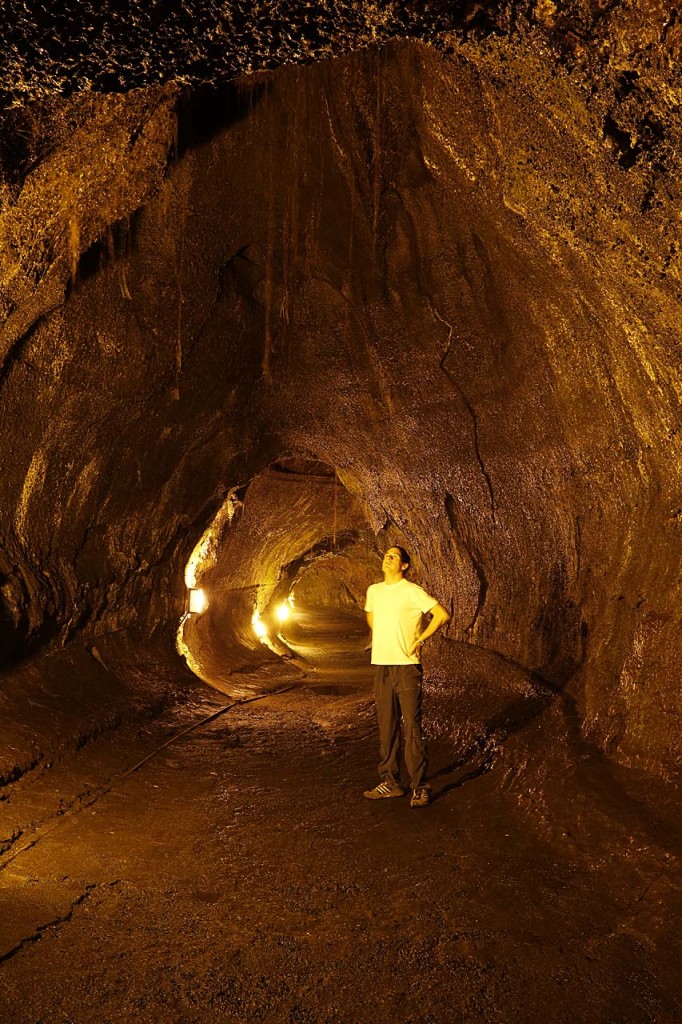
pixel 404 556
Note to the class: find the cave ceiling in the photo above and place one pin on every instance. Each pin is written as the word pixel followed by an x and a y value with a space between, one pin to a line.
pixel 112 47
pixel 481 200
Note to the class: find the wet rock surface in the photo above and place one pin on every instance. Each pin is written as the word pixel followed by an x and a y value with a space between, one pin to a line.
pixel 442 274
pixel 112 48
pixel 458 296
pixel 239 875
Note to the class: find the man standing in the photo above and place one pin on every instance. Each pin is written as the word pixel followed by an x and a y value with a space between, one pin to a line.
pixel 394 613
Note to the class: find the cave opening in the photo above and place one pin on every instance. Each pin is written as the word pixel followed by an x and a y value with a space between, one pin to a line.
pixel 276 584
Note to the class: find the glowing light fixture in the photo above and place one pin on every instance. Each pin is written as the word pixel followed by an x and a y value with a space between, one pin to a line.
pixel 259 627
pixel 283 611
pixel 198 602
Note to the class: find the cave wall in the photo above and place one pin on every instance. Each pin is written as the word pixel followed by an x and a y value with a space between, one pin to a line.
pixel 452 275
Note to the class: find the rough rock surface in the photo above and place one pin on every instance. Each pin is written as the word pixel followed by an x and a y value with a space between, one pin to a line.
pixel 451 272
pixel 238 875
pixel 113 47
pixel 424 292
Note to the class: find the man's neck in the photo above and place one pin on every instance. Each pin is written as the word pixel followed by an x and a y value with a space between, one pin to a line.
pixel 392 578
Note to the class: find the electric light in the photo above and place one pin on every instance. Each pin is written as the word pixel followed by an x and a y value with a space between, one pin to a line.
pixel 283 611
pixel 198 602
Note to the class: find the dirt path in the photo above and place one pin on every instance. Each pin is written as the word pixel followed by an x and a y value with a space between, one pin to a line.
pixel 239 876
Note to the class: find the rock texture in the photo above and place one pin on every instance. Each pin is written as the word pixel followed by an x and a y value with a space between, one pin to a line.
pixel 449 271
pixel 118 47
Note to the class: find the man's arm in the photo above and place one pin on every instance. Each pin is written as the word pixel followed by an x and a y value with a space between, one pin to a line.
pixel 439 616
pixel 370 622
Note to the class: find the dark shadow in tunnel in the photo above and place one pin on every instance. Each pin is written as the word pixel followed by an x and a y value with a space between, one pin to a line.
pixel 559 627
pixel 515 717
pixel 561 630
pixel 486 759
pixel 19 640
pixel 118 242
pixel 632 794
pixel 21 147
pixel 10 646
pixel 478 702
pixel 205 112
pixel 202 114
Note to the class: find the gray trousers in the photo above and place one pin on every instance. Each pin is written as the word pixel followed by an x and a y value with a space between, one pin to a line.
pixel 398 694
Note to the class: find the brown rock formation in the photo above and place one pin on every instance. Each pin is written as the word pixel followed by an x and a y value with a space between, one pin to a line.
pixel 449 272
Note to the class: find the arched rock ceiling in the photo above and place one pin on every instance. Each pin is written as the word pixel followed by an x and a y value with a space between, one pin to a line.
pixel 452 272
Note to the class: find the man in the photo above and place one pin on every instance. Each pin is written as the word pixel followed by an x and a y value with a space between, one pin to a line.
pixel 394 613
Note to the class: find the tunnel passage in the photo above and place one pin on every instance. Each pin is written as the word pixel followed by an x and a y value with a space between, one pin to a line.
pixel 283 569
pixel 326 624
pixel 428 269
pixel 451 273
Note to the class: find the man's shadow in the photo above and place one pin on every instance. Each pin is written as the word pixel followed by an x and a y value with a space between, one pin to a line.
pixel 481 756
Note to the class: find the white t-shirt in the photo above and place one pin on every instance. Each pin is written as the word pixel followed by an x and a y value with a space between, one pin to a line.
pixel 397 609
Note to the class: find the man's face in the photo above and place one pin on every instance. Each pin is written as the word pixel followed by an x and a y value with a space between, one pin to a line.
pixel 393 561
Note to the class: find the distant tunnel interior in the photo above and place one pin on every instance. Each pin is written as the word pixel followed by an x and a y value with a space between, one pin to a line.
pixel 283 569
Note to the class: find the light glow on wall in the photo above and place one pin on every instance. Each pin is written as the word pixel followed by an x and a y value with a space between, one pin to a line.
pixel 259 627
pixel 198 602
pixel 283 611
pixel 205 553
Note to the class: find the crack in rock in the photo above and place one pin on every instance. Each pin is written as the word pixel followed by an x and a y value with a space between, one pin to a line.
pixel 8 842
pixel 450 509
pixel 37 935
pixel 467 404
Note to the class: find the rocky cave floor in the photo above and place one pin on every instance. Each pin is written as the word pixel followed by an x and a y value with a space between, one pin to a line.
pixel 239 875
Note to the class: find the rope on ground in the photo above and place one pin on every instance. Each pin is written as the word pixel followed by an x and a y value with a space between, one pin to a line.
pixel 77 808
pixel 197 725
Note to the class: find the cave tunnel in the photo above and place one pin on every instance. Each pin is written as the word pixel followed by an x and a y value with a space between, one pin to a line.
pixel 280 289
pixel 282 572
